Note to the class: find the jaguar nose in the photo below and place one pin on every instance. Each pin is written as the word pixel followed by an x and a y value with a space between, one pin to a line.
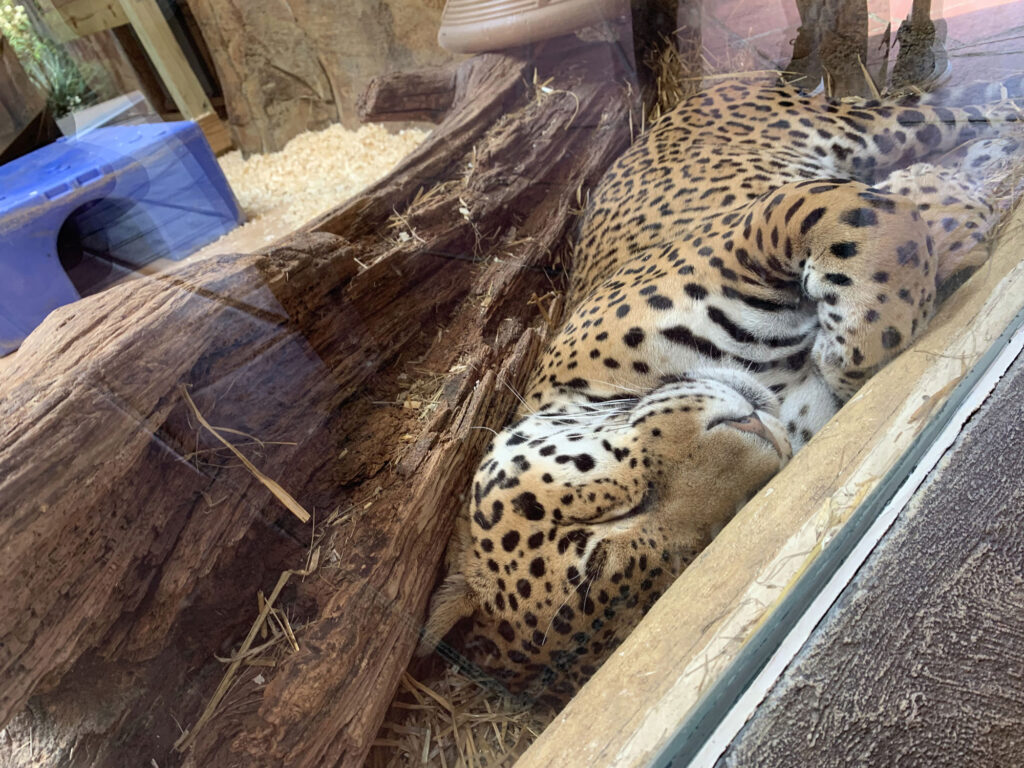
pixel 754 425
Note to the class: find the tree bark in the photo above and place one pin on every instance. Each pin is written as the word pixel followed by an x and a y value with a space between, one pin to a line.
pixel 425 94
pixel 130 543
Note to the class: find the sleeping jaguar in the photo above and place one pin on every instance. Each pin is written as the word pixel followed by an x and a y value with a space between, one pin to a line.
pixel 740 271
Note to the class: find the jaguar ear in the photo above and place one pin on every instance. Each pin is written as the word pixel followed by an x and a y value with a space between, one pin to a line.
pixel 452 601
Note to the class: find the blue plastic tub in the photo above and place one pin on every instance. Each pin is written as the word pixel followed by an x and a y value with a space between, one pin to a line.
pixel 119 196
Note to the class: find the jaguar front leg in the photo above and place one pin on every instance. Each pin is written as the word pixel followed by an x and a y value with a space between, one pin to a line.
pixel 864 257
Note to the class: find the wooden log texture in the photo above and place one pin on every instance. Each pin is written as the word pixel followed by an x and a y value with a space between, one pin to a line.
pixel 118 513
pixel 424 94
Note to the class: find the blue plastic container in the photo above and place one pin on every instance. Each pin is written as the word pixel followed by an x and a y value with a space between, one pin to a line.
pixel 118 197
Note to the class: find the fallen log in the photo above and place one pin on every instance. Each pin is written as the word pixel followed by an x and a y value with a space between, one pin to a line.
pixel 359 364
pixel 425 94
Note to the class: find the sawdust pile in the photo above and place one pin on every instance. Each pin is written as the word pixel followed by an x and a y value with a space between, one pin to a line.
pixel 315 172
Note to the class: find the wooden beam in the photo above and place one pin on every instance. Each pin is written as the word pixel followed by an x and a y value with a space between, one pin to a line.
pixel 71 19
pixel 149 24
pixel 59 27
pixel 216 132
pixel 641 696
pixel 86 17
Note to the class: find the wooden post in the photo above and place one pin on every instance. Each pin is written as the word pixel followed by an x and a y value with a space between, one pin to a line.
pixel 149 24
pixel 78 18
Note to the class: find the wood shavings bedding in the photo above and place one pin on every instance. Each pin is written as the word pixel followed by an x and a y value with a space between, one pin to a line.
pixel 315 172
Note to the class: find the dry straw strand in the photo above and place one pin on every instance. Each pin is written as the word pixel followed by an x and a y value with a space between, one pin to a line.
pixel 272 485
pixel 188 737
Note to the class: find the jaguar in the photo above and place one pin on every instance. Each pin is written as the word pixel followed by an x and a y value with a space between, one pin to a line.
pixel 739 273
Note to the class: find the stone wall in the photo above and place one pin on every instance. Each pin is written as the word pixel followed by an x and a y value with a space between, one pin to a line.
pixel 287 66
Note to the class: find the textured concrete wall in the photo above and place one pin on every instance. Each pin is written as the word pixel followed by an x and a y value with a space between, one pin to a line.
pixel 921 661
pixel 287 66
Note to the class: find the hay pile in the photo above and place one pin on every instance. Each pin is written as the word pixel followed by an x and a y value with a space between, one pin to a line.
pixel 452 722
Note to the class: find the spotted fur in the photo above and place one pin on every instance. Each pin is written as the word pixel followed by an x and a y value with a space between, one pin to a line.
pixel 740 272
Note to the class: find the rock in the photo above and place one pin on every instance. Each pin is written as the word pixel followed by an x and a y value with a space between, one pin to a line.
pixel 287 67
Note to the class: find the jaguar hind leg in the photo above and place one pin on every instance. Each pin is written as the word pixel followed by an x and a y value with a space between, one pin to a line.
pixel 956 199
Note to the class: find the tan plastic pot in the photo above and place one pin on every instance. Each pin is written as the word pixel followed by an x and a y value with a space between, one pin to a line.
pixel 475 26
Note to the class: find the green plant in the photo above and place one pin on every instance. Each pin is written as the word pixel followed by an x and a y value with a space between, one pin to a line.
pixel 46 63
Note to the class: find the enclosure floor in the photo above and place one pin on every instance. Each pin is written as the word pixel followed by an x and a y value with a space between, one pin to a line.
pixel 315 172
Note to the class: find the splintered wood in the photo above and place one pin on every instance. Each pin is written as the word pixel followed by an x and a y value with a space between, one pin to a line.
pixel 272 485
pixel 244 652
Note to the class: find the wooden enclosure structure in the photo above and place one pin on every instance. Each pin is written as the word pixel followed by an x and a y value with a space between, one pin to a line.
pixel 20 101
pixel 72 19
